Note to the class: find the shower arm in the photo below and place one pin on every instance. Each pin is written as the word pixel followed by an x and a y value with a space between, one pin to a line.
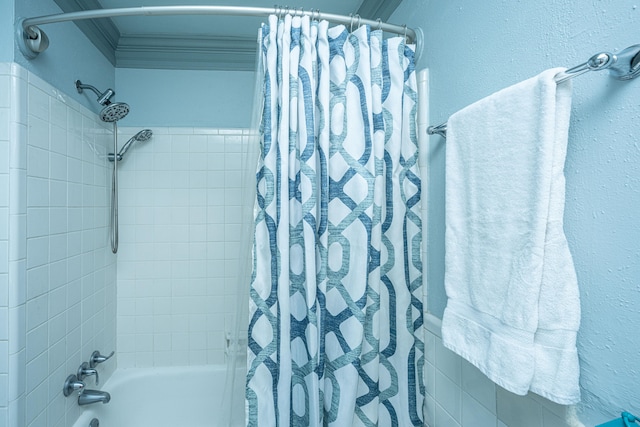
pixel 103 97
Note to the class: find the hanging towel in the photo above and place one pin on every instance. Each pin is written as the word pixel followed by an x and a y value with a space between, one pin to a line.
pixel 513 306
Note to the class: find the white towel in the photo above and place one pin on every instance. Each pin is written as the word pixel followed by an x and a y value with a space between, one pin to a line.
pixel 513 306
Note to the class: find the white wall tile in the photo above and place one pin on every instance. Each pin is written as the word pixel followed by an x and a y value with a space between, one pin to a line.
pixel 443 418
pixel 478 386
pixel 448 362
pixel 4 322
pixel 48 335
pixel 521 411
pixel 37 342
pixel 173 194
pixel 38 103
pixel 448 395
pixel 38 133
pixel 4 257
pixel 4 395
pixel 4 357
pixel 37 162
pixel 475 414
pixel 5 91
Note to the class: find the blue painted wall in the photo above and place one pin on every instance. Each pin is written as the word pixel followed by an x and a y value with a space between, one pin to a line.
pixel 474 48
pixel 70 55
pixel 157 97
pixel 6 31
pixel 198 98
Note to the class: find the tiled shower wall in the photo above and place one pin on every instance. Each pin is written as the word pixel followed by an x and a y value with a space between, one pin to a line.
pixel 57 276
pixel 5 114
pixel 180 204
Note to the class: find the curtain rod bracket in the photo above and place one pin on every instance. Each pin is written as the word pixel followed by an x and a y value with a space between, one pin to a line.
pixel 30 40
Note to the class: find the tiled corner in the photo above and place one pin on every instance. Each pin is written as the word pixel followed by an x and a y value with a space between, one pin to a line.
pixel 5 120
pixel 46 260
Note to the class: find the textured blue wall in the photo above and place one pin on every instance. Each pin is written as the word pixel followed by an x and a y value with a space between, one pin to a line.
pixel 6 31
pixel 70 55
pixel 474 48
pixel 221 99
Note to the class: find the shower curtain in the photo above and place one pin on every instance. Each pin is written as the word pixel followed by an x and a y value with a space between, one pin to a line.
pixel 335 332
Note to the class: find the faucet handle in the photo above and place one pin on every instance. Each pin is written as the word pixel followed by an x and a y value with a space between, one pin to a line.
pixel 84 370
pixel 71 384
pixel 96 358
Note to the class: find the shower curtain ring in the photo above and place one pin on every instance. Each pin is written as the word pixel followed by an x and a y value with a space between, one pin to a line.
pixel 358 16
pixel 350 22
pixel 405 32
pixel 379 23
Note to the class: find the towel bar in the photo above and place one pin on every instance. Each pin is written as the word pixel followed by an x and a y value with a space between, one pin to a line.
pixel 623 66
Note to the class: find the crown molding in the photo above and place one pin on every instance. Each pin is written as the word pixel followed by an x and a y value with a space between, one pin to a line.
pixel 183 51
pixel 103 33
pixel 168 51
pixel 378 9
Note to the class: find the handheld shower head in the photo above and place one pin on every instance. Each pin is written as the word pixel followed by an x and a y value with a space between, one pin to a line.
pixel 141 136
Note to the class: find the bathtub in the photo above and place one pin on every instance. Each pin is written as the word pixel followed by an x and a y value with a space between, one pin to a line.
pixel 164 397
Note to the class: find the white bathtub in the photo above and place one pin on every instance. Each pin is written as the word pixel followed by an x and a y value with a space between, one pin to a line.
pixel 164 397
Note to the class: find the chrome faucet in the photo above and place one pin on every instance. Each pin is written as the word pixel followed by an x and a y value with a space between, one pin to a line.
pixel 88 397
pixel 97 358
pixel 84 370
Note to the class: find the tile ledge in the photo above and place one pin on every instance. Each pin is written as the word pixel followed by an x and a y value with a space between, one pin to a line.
pixel 433 324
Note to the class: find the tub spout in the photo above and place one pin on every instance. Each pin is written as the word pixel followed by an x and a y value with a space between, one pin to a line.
pixel 88 397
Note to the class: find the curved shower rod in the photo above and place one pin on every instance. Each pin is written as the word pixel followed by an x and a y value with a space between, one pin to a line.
pixel 32 40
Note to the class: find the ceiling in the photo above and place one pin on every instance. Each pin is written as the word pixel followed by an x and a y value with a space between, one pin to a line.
pixel 195 42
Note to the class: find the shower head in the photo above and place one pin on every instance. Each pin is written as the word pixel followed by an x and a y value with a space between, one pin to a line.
pixel 112 111
pixel 143 135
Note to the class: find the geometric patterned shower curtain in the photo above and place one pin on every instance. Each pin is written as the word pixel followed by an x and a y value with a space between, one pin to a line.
pixel 335 334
